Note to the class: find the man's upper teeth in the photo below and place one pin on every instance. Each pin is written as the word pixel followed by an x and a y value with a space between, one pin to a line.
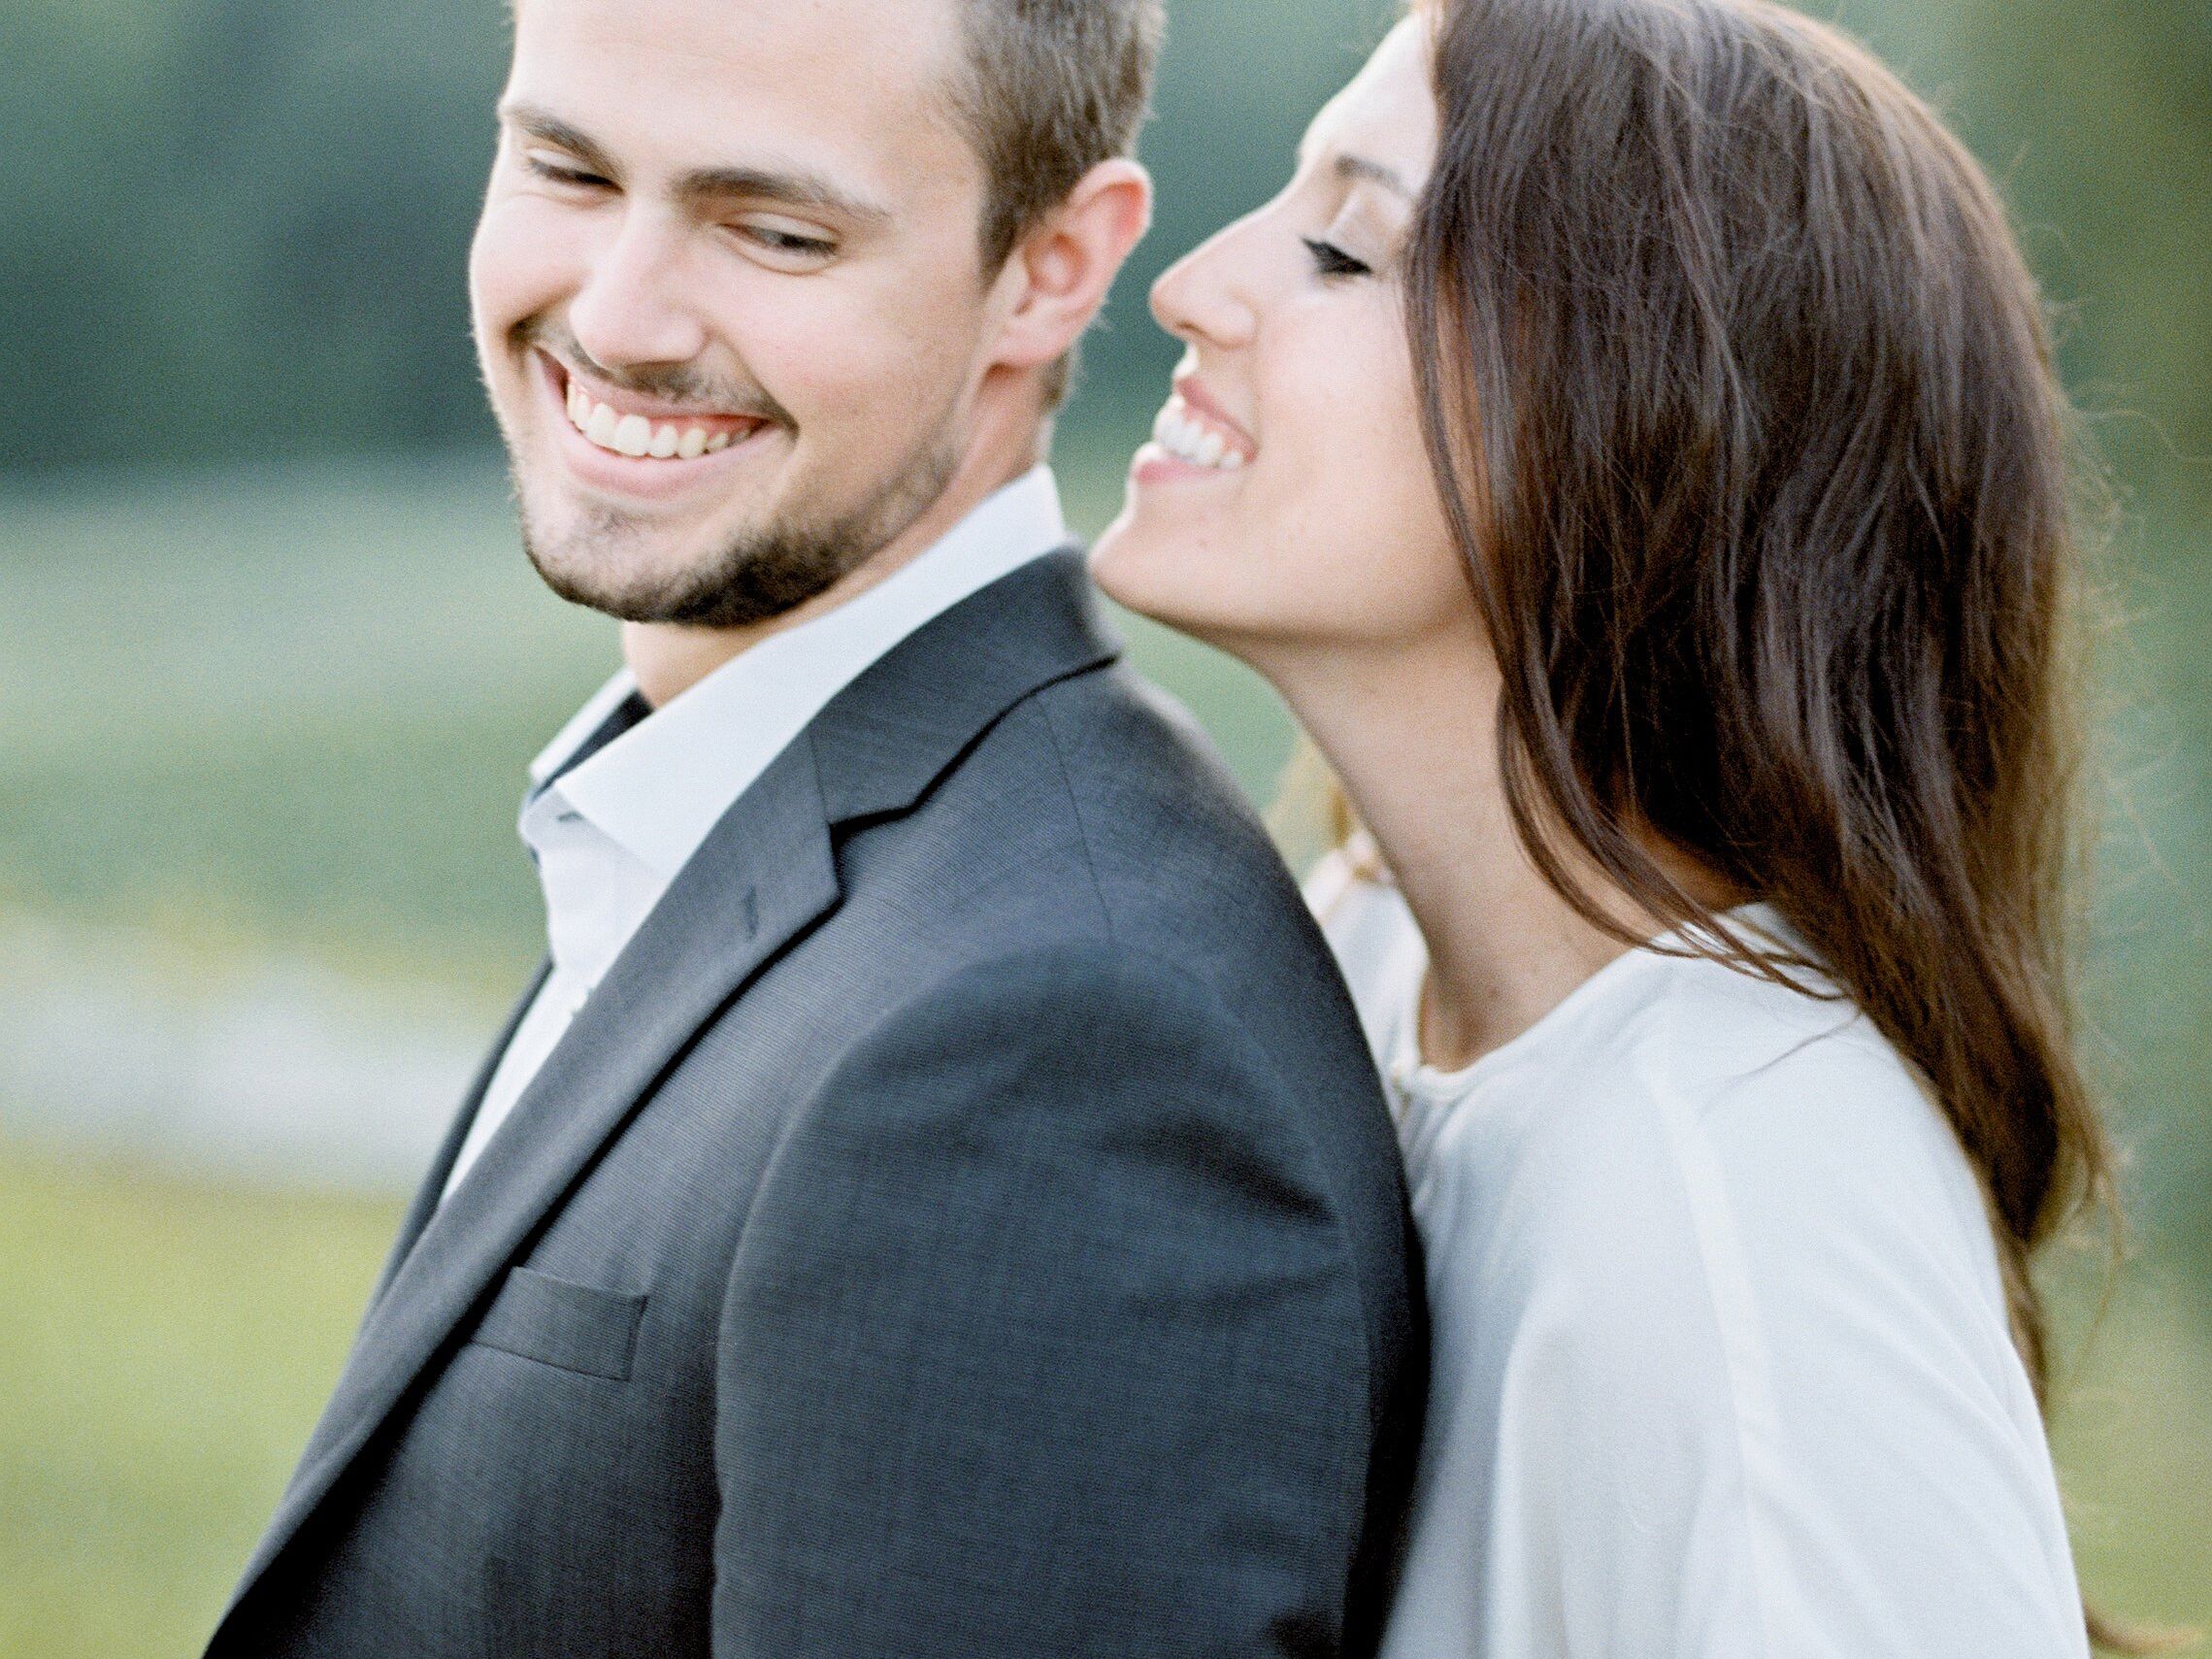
pixel 1188 439
pixel 635 436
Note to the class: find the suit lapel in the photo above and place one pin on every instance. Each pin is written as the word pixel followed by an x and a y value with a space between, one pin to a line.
pixel 764 875
pixel 433 1187
pixel 898 727
pixel 626 714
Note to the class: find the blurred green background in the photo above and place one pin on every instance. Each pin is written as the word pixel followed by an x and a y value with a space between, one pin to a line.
pixel 271 665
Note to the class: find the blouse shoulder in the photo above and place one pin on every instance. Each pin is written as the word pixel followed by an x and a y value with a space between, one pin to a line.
pixel 1783 1134
pixel 1716 1305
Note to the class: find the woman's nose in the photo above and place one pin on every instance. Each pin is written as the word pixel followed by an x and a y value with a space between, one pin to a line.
pixel 1204 298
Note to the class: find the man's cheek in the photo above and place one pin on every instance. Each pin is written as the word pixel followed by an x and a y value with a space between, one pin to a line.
pixel 514 266
pixel 490 272
pixel 840 378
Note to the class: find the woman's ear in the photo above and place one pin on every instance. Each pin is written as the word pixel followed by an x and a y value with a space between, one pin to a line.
pixel 1059 274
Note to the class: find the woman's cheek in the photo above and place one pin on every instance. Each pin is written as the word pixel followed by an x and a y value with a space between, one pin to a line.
pixel 1371 519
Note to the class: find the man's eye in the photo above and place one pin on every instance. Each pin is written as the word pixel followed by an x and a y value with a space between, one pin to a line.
pixel 555 173
pixel 789 242
pixel 1329 260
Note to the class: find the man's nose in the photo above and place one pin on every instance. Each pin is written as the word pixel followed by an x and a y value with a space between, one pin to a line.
pixel 632 309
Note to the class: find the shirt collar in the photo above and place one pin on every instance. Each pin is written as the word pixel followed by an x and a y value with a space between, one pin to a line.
pixel 597 711
pixel 658 788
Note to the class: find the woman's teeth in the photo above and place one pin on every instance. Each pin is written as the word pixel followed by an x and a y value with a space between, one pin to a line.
pixel 635 436
pixel 1187 436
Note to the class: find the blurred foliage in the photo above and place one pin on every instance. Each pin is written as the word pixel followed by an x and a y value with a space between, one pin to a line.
pixel 235 228
pixel 2098 119
pixel 238 228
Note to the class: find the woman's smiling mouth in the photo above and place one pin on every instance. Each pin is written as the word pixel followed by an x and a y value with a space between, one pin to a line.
pixel 1192 437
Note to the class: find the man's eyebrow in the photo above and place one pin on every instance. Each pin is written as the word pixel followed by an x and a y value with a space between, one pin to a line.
pixel 792 189
pixel 546 126
pixel 808 191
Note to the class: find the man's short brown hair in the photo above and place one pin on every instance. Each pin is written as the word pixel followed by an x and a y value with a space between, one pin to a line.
pixel 1048 89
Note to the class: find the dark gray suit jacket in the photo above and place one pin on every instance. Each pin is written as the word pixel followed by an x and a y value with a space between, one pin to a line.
pixel 962 1222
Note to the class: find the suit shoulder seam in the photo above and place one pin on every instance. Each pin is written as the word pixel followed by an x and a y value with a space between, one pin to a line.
pixel 1076 808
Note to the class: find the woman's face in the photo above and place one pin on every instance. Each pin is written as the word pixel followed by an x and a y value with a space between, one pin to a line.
pixel 1286 500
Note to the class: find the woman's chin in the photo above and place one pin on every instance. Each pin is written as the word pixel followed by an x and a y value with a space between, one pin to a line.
pixel 1218 577
pixel 1144 569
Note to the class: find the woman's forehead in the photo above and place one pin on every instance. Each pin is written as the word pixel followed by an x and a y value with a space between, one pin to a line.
pixel 1387 113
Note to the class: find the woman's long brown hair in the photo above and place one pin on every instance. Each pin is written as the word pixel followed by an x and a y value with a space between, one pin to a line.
pixel 1743 404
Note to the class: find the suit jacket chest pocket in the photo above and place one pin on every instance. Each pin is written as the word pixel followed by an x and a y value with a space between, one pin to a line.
pixel 576 1327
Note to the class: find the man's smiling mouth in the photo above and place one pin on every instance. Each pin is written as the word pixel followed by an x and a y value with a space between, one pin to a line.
pixel 638 430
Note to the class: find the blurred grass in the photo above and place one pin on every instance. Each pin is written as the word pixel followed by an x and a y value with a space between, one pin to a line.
pixel 2133 1439
pixel 164 1348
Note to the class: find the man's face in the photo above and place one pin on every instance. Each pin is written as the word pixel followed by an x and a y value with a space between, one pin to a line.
pixel 727 293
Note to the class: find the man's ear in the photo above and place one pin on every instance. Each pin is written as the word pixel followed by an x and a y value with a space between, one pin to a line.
pixel 1059 274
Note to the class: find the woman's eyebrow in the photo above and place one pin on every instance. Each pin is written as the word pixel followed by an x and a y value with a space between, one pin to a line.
pixel 1358 170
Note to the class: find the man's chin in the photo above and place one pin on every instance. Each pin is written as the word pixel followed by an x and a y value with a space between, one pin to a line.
pixel 586 583
pixel 619 572
pixel 638 567
pixel 739 580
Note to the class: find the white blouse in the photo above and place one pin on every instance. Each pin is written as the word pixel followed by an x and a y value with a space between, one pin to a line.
pixel 1721 1363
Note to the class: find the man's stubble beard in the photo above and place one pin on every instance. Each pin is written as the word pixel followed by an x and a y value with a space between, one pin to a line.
pixel 758 573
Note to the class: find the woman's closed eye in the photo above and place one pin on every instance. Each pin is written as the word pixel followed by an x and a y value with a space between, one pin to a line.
pixel 1332 261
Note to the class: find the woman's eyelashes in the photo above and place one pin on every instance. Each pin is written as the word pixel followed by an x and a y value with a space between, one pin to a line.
pixel 1332 261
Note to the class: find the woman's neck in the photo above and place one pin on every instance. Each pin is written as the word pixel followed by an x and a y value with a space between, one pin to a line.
pixel 1412 734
